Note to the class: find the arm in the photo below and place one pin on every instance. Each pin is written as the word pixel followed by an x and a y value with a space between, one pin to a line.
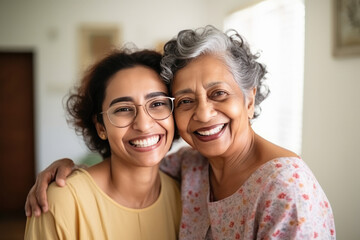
pixel 36 200
pixel 43 227
pixel 171 164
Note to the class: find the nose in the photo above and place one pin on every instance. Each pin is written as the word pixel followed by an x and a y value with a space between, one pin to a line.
pixel 142 120
pixel 204 111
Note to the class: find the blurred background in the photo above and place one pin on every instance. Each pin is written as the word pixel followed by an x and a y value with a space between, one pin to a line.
pixel 313 109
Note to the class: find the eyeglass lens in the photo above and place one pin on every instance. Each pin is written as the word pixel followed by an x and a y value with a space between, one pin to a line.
pixel 123 114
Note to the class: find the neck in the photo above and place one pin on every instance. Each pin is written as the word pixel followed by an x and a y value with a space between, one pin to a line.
pixel 132 187
pixel 229 172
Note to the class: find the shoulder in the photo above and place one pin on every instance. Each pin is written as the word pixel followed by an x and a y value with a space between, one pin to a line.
pixel 63 206
pixel 267 150
pixel 170 191
pixel 170 188
pixel 66 196
pixel 294 200
pixel 289 180
pixel 285 165
pixel 290 172
pixel 78 178
pixel 168 182
pixel 174 163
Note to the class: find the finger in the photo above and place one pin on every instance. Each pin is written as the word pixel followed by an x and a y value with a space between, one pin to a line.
pixel 27 203
pixel 31 205
pixel 27 209
pixel 42 182
pixel 64 171
pixel 37 197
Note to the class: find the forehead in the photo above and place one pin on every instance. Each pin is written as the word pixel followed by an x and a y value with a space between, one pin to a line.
pixel 134 81
pixel 204 71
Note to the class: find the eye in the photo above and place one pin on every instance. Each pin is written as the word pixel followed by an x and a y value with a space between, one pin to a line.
pixel 185 104
pixel 218 95
pixel 184 101
pixel 159 103
pixel 118 110
pixel 123 109
pixel 156 104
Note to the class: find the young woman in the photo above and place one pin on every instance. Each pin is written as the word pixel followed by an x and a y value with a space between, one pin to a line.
pixel 123 111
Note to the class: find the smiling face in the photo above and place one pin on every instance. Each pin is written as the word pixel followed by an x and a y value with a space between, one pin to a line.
pixel 210 110
pixel 145 141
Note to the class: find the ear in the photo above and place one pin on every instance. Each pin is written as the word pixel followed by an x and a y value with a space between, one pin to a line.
pixel 251 103
pixel 100 129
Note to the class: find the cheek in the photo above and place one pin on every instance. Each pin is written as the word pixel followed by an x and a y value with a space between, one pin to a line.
pixel 181 121
pixel 235 109
pixel 169 126
pixel 114 134
pixel 115 139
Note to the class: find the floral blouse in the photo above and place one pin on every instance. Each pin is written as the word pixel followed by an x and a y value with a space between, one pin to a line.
pixel 281 200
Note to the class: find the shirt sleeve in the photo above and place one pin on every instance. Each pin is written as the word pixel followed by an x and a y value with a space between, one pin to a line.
pixel 42 227
pixel 171 164
pixel 295 207
pixel 58 221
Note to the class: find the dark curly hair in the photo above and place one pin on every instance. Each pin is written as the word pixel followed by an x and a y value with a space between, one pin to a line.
pixel 229 46
pixel 85 102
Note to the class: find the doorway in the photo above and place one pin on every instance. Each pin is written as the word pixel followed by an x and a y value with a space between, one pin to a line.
pixel 17 144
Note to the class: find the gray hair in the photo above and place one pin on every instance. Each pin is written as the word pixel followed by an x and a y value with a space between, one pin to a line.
pixel 228 46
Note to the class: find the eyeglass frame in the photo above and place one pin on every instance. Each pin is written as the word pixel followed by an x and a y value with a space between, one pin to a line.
pixel 145 109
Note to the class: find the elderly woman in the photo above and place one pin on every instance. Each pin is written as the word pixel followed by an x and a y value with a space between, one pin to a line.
pixel 234 183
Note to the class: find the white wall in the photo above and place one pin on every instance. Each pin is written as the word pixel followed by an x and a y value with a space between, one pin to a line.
pixel 49 28
pixel 331 131
pixel 331 142
pixel 331 98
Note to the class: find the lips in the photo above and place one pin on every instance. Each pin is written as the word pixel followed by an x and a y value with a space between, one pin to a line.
pixel 210 133
pixel 145 142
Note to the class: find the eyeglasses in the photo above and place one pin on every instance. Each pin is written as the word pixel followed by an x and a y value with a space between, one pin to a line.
pixel 123 114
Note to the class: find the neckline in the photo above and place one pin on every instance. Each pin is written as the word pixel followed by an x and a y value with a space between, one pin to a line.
pixel 137 210
pixel 210 194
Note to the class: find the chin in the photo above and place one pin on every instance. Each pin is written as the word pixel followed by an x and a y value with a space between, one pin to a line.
pixel 211 151
pixel 152 163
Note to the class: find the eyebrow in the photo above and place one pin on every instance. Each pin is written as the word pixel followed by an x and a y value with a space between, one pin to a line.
pixel 183 91
pixel 188 90
pixel 130 99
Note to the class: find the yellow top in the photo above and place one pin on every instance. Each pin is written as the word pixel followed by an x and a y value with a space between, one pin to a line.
pixel 81 210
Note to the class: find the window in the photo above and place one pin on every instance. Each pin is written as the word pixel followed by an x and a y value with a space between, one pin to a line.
pixel 276 28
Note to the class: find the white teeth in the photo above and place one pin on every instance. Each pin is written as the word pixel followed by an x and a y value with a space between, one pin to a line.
pixel 211 131
pixel 146 142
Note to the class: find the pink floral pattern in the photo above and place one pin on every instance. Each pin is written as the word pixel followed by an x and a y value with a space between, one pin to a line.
pixel 280 200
